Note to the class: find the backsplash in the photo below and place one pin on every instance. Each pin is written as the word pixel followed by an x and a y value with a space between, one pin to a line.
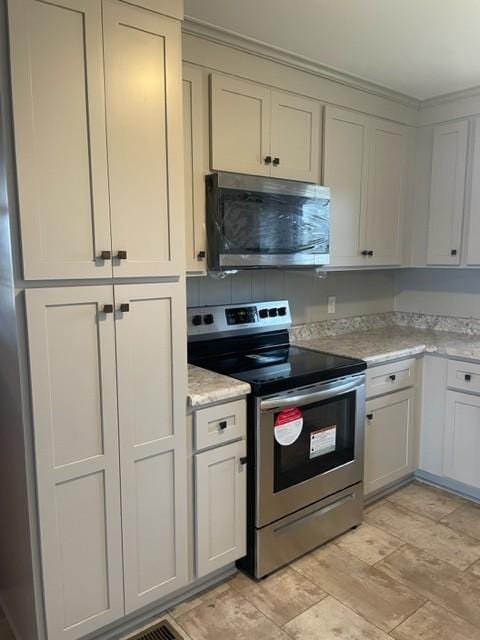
pixel 358 293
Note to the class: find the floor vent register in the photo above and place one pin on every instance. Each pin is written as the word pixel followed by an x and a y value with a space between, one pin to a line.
pixel 163 630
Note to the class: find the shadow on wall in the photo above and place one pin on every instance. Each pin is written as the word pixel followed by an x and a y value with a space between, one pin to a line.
pixel 357 293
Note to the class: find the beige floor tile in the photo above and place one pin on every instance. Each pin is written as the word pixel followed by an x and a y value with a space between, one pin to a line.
pixel 426 501
pixel 203 597
pixel 374 505
pixel 229 617
pixel 5 631
pixel 475 568
pixel 465 519
pixel 369 543
pixel 432 622
pixel 458 591
pixel 442 542
pixel 331 620
pixel 282 596
pixel 371 593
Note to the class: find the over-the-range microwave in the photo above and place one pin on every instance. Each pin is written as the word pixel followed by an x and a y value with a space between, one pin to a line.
pixel 256 222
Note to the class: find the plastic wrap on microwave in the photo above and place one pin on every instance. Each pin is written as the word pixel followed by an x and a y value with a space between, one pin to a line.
pixel 250 229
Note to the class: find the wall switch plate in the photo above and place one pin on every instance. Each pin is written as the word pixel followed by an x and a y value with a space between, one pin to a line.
pixel 331 304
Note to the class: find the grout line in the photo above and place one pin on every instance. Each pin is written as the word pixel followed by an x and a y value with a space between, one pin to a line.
pixel 426 601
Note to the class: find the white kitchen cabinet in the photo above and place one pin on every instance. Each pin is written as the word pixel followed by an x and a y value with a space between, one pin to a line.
pixel 74 400
pixel 256 130
pixel 145 144
pixel 345 172
pixel 473 244
pixel 389 439
pixel 151 374
pixel 365 161
pixel 56 56
pixel 447 193
pixel 196 167
pixel 462 438
pixel 220 491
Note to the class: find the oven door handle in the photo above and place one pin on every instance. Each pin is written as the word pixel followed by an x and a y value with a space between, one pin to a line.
pixel 309 397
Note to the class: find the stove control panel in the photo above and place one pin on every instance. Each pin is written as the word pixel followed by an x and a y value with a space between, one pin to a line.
pixel 249 318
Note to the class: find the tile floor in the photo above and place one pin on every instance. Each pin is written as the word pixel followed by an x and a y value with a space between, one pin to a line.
pixel 411 571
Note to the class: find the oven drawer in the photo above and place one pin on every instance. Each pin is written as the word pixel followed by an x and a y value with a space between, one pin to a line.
pixel 285 540
pixel 220 424
pixel 389 377
pixel 464 376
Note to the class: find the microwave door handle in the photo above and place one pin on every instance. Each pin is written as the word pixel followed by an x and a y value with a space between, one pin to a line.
pixel 309 397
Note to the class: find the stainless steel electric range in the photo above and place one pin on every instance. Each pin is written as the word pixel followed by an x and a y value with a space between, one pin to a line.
pixel 305 429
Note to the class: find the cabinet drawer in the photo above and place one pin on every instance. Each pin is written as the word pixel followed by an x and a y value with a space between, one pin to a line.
pixel 464 376
pixel 219 424
pixel 390 377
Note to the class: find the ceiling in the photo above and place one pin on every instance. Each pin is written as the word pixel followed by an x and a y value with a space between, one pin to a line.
pixel 421 48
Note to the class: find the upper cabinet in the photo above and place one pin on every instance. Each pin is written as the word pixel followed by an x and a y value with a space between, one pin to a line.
pixel 473 248
pixel 260 131
pixel 447 191
pixel 365 161
pixel 97 196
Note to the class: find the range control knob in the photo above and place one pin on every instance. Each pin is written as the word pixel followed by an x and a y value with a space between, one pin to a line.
pixel 272 312
pixel 197 320
pixel 263 313
pixel 282 311
pixel 208 319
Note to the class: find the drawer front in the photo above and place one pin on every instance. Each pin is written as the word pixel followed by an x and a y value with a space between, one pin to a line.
pixel 464 376
pixel 390 377
pixel 222 423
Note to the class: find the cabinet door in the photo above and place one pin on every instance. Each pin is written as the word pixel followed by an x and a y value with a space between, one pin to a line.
pixel 240 121
pixel 221 504
pixel 295 137
pixel 345 172
pixel 59 118
pixel 447 191
pixel 389 434
pixel 145 143
pixel 473 250
pixel 151 373
pixel 462 438
pixel 72 361
pixel 386 191
pixel 194 124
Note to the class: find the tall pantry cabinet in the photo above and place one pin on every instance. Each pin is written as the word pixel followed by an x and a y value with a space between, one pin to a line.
pixel 96 96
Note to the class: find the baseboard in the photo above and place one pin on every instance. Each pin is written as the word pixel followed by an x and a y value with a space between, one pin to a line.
pixel 458 488
pixel 390 488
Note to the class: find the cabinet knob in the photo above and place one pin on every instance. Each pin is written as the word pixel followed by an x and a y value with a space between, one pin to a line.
pixel 453 252
pixel 393 377
pixel 268 160
pixel 106 255
pixel 124 307
pixel 223 424
pixel 276 161
pixel 107 308
pixel 369 416
pixel 370 253
pixel 468 377
pixel 364 253
pixel 243 460
pixel 122 255
pixel 201 255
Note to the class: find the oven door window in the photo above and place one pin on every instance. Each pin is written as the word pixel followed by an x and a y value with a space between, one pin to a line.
pixel 326 441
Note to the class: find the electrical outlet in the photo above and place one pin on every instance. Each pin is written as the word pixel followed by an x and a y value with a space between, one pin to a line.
pixel 331 304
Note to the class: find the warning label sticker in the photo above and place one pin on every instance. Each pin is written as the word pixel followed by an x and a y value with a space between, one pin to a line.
pixel 288 426
pixel 323 441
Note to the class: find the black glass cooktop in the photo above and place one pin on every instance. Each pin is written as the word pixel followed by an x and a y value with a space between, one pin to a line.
pixel 273 369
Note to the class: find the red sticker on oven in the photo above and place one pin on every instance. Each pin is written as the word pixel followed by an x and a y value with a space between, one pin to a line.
pixel 288 426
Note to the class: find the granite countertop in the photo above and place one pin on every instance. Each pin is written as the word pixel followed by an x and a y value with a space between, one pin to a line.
pixel 205 387
pixel 390 343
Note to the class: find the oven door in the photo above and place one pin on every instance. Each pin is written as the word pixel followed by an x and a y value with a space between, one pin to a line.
pixel 309 445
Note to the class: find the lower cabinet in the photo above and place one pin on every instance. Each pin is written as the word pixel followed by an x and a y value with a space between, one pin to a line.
pixel 111 478
pixel 220 490
pixel 389 439
pixel 462 438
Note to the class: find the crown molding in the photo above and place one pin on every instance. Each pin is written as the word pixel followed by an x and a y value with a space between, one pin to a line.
pixel 463 94
pixel 219 35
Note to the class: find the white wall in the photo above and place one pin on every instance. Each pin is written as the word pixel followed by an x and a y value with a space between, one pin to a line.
pixel 439 291
pixel 357 293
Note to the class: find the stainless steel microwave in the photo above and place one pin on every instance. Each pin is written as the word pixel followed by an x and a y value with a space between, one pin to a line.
pixel 255 222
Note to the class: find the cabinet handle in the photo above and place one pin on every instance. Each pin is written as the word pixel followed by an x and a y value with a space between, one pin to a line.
pixel 468 377
pixel 393 377
pixel 364 253
pixel 276 161
pixel 107 308
pixel 106 255
pixel 369 416
pixel 201 255
pixel 370 253
pixel 223 424
pixel 453 252
pixel 125 307
pixel 122 255
pixel 268 159
pixel 243 460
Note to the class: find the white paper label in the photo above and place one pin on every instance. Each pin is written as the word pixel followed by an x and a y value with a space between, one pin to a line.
pixel 288 426
pixel 323 441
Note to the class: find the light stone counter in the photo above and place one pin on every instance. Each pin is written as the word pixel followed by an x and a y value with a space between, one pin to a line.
pixel 205 387
pixel 390 343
